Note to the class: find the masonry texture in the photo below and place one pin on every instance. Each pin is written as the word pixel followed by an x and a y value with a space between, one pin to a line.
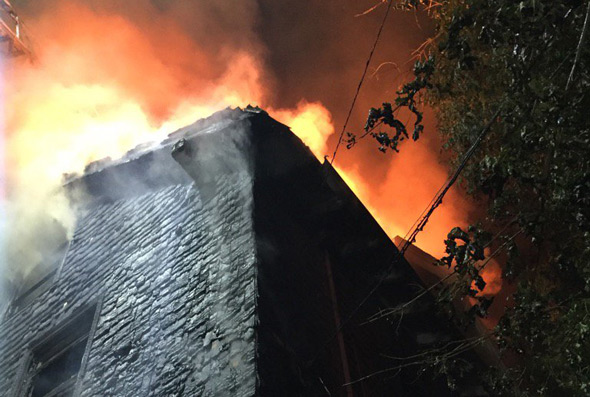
pixel 222 262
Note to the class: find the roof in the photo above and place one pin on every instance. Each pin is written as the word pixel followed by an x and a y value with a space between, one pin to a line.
pixel 217 254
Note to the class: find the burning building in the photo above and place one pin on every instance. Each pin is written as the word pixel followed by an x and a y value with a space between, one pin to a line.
pixel 226 260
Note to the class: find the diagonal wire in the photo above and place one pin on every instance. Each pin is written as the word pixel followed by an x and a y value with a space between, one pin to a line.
pixel 358 89
pixel 437 200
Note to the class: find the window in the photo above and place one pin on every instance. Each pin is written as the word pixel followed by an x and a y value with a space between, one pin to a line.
pixel 40 278
pixel 57 360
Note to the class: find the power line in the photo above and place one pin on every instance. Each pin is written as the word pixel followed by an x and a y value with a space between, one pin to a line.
pixel 358 89
pixel 439 198
pixel 435 203
pixel 423 219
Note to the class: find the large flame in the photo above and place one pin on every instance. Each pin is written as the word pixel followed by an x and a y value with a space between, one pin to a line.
pixel 98 86
pixel 102 82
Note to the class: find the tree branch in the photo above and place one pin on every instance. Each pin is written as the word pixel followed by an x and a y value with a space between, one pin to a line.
pixel 579 49
pixel 428 357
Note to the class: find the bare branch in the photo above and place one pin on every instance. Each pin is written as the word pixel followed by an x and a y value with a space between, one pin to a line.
pixel 500 248
pixel 429 357
pixel 373 8
pixel 383 64
pixel 579 49
pixel 400 308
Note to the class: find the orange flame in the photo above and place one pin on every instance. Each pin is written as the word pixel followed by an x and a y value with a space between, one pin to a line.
pixel 100 85
pixel 311 122
pixel 104 82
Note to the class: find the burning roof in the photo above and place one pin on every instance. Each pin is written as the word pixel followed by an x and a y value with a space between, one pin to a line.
pixel 224 260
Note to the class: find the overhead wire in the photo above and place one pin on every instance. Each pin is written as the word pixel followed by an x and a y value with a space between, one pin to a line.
pixel 360 84
pixel 423 219
pixel 418 225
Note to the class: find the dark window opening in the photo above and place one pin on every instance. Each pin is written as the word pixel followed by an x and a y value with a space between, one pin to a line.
pixel 57 360
pixel 34 291
pixel 40 279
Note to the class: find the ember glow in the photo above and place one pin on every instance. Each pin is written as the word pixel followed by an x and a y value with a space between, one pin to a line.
pixel 103 82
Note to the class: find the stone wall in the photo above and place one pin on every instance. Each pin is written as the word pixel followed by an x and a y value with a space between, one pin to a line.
pixel 175 283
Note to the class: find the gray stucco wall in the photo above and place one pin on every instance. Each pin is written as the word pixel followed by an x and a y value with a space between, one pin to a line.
pixel 176 282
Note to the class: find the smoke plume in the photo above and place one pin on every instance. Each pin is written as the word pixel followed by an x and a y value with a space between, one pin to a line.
pixel 108 75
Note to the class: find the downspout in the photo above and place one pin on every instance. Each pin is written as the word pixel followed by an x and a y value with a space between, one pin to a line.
pixel 340 337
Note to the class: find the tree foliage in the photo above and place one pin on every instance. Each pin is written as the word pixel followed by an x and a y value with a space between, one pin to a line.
pixel 534 165
pixel 386 114
pixel 532 171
